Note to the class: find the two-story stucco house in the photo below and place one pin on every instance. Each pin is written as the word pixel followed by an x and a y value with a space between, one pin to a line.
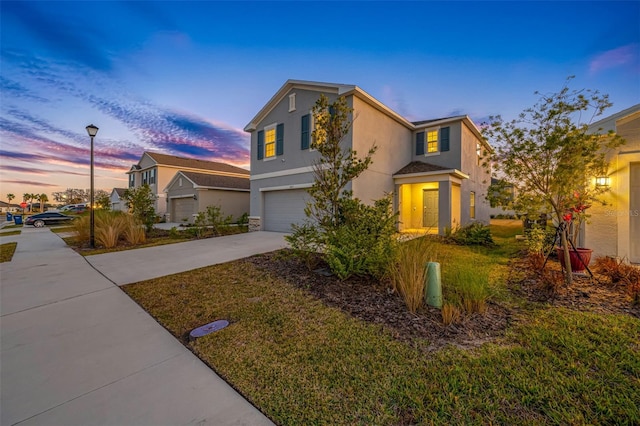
pixel 614 229
pixel 432 167
pixel 159 171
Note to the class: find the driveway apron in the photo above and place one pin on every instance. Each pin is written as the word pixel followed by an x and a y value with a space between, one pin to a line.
pixel 76 350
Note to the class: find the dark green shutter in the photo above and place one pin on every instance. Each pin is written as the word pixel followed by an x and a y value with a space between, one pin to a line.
pixel 280 139
pixel 444 139
pixel 304 138
pixel 260 144
pixel 420 143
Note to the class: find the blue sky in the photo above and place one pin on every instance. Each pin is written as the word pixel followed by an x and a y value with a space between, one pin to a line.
pixel 184 78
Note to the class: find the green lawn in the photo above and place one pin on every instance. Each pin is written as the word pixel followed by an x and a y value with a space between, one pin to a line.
pixel 6 251
pixel 302 362
pixel 10 233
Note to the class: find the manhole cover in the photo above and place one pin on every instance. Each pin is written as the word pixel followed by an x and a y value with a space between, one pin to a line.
pixel 209 328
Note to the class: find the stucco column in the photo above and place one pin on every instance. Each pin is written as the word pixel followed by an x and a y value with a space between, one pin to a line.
pixel 444 206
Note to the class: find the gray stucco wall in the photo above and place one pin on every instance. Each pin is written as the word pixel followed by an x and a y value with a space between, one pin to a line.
pixel 370 127
pixel 478 182
pixel 449 159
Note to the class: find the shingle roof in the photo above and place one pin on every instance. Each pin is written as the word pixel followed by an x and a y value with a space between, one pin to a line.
pixel 120 191
pixel 420 167
pixel 217 181
pixel 192 163
pixel 420 123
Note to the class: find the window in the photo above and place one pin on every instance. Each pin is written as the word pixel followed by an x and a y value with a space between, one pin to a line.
pixel 132 180
pixel 479 152
pixel 145 177
pixel 270 142
pixel 472 205
pixel 152 176
pixel 420 143
pixel 432 141
pixel 292 102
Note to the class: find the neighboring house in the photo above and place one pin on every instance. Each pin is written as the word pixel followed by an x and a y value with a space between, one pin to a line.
pixel 157 170
pixel 6 207
pixel 433 167
pixel 117 203
pixel 614 229
pixel 190 192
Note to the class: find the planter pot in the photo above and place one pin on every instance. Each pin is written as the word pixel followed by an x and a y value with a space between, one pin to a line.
pixel 577 265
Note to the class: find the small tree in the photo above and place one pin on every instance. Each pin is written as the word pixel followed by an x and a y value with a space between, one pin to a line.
pixel 354 238
pixel 102 199
pixel 140 203
pixel 550 158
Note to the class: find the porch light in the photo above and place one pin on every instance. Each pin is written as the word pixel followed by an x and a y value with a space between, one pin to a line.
pixel 602 181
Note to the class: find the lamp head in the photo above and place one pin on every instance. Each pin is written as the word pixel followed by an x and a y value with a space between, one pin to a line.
pixel 92 130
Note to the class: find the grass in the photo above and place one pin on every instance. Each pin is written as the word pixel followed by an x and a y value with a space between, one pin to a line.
pixel 10 233
pixel 302 362
pixel 6 251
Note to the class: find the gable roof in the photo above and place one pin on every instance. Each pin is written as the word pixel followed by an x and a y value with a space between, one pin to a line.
pixel 192 163
pixel 351 89
pixel 119 191
pixel 212 181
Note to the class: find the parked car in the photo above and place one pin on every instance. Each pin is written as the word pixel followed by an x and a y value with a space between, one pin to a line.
pixel 77 209
pixel 47 218
pixel 73 207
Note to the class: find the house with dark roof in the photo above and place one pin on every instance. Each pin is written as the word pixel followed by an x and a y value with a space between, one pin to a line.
pixel 432 167
pixel 158 170
pixel 191 192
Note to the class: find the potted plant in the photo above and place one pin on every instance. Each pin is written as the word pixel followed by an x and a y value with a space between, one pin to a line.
pixel 574 217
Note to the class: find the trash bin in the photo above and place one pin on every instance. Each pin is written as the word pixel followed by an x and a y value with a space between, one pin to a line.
pixel 9 217
pixel 17 219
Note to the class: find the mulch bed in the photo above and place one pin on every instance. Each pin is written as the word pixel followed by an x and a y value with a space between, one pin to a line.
pixel 372 301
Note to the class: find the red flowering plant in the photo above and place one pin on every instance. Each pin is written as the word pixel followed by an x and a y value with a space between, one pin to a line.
pixel 575 216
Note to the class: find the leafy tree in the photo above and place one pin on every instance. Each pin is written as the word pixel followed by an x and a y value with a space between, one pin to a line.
pixel 550 158
pixel 10 197
pixel 102 199
pixel 140 203
pixel 43 198
pixel 354 238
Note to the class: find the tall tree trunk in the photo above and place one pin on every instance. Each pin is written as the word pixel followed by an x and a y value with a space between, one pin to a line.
pixel 568 277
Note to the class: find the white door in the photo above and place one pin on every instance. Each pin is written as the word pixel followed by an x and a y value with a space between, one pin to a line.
pixel 634 213
pixel 430 208
pixel 183 208
pixel 284 208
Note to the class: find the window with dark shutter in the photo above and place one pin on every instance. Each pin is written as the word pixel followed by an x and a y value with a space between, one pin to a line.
pixel 260 144
pixel 280 139
pixel 304 136
pixel 444 139
pixel 420 143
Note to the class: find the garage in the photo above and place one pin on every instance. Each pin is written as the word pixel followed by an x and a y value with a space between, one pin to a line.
pixel 182 208
pixel 284 208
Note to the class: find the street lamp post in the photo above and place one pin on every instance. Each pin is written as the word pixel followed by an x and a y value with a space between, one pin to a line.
pixel 92 131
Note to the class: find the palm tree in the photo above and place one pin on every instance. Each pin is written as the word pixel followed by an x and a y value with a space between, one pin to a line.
pixel 10 197
pixel 43 199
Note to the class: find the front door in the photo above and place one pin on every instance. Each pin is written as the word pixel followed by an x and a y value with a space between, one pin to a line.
pixel 430 208
pixel 634 213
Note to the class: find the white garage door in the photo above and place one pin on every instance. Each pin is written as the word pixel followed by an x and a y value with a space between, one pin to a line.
pixel 183 208
pixel 283 208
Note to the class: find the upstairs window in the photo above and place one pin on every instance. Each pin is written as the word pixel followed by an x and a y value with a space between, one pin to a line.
pixel 270 141
pixel 432 141
pixel 305 133
pixel 472 205
pixel 132 180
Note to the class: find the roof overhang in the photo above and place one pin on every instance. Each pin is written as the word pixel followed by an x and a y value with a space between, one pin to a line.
pixel 432 175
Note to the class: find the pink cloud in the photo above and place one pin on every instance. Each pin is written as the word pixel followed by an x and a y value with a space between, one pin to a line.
pixel 614 58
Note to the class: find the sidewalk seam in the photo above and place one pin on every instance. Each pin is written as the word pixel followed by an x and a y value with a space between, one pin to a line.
pixel 102 387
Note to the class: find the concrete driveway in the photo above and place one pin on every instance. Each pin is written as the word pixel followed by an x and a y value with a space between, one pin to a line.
pixel 126 267
pixel 76 350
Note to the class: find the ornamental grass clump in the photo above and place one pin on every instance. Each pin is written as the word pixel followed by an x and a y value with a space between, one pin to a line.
pixel 468 286
pixel 407 271
pixel 109 227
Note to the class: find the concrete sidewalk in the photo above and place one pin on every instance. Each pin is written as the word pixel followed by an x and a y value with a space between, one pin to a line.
pixel 76 350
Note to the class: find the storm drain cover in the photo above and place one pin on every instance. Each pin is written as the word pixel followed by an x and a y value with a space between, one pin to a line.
pixel 208 328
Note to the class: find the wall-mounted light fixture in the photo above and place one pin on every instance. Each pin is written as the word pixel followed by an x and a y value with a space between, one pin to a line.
pixel 195 197
pixel 602 181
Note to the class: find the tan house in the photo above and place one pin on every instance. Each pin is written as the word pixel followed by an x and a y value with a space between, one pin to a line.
pixel 614 229
pixel 157 170
pixel 190 192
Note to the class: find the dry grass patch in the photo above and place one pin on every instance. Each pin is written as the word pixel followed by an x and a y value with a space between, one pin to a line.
pixel 6 251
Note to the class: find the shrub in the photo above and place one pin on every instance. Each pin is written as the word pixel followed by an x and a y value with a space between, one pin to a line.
pixel 243 219
pixel 407 271
pixel 109 227
pixel 473 234
pixel 620 272
pixel 211 221
pixel 134 232
pixel 305 243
